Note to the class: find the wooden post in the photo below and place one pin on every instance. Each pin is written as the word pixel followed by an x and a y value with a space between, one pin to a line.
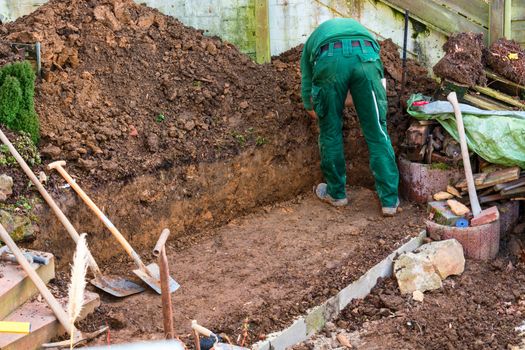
pixel 507 25
pixel 496 20
pixel 262 32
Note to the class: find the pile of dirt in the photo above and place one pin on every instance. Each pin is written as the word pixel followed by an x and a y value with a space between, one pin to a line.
pixel 8 54
pixel 506 57
pixel 463 60
pixel 128 90
pixel 477 310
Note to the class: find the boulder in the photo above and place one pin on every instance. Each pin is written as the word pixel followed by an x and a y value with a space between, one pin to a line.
pixel 425 268
pixel 19 227
pixel 416 272
pixel 6 186
pixel 446 256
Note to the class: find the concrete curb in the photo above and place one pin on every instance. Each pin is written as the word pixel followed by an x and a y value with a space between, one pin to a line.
pixel 315 319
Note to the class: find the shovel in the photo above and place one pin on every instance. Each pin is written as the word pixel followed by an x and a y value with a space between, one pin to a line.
pixel 113 285
pixel 49 298
pixel 149 274
pixel 480 216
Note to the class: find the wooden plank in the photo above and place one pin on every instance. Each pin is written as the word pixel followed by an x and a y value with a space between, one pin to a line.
pixel 437 16
pixel 496 20
pixel 16 287
pixel 485 103
pixel 262 32
pixel 494 76
pixel 499 96
pixel 476 10
pixel 518 9
pixel 518 31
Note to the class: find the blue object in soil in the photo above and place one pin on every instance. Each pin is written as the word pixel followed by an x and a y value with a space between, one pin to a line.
pixel 462 223
pixel 207 342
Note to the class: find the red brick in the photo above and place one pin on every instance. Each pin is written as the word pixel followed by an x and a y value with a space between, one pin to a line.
pixel 485 217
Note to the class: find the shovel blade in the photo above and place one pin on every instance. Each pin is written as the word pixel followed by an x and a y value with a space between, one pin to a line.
pixel 152 278
pixel 116 286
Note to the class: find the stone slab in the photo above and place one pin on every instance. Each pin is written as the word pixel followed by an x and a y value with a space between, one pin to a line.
pixel 16 287
pixel 44 325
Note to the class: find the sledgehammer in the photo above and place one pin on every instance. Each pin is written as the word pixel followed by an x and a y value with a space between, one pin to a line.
pixel 481 217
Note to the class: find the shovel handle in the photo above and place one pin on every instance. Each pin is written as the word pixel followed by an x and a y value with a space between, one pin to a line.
pixel 114 231
pixel 200 329
pixel 476 209
pixel 40 285
pixel 60 215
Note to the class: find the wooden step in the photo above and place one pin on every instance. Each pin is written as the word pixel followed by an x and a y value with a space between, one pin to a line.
pixel 15 286
pixel 44 325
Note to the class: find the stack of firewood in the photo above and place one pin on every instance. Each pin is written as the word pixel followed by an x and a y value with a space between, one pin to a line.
pixel 427 142
pixel 492 184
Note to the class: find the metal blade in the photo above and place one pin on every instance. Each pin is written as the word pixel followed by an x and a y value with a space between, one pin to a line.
pixel 116 286
pixel 153 278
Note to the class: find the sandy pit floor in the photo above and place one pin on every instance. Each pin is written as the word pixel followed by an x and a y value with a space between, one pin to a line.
pixel 262 270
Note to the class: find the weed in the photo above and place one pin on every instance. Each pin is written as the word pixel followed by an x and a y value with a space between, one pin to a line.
pixel 259 141
pixel 439 166
pixel 24 203
pixel 241 139
pixel 160 118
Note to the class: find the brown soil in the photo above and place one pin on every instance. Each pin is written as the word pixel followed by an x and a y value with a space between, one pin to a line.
pixel 267 267
pixel 7 54
pixel 501 63
pixel 477 310
pixel 463 60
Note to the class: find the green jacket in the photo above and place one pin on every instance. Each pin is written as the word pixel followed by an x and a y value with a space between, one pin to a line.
pixel 331 30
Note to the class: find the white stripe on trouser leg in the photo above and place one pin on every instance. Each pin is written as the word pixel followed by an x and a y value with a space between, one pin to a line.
pixel 377 114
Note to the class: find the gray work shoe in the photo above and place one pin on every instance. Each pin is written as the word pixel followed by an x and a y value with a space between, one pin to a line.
pixel 321 192
pixel 390 211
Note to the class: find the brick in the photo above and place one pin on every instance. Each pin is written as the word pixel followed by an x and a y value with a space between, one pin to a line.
pixel 485 217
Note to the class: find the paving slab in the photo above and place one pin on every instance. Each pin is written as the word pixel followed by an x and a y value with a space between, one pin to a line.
pixel 44 324
pixel 16 287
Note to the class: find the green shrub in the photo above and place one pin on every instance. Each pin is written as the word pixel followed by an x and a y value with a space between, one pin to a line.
pixel 19 114
pixel 10 100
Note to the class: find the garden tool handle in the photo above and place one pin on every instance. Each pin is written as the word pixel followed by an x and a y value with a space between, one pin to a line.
pixel 43 192
pixel 201 330
pixel 58 166
pixel 161 242
pixel 40 285
pixel 474 202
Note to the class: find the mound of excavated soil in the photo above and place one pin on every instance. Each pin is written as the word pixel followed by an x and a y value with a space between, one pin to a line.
pixel 506 57
pixel 463 60
pixel 7 54
pixel 128 90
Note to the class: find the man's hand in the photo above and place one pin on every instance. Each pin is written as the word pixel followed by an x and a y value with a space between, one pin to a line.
pixel 312 114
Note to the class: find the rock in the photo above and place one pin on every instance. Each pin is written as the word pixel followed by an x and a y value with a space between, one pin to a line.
pixel 343 340
pixel 133 131
pixel 104 15
pixel 454 191
pixel 189 125
pixel 6 186
pixel 243 104
pixel 42 177
pixel 457 207
pixel 416 272
pixel 441 196
pixel 152 142
pixel 50 151
pixel 19 227
pixel 418 296
pixel 446 256
pixel 87 164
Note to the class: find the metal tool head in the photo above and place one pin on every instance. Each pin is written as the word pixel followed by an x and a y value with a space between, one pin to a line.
pixel 116 286
pixel 152 278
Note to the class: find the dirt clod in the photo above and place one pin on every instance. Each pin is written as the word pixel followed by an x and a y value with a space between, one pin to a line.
pixel 506 57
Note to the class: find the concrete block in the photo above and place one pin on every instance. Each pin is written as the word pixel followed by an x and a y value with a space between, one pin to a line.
pixel 292 335
pixel 315 319
pixel 44 325
pixel 443 215
pixel 16 287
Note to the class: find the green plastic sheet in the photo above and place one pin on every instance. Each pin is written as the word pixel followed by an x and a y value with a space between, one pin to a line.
pixel 496 136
